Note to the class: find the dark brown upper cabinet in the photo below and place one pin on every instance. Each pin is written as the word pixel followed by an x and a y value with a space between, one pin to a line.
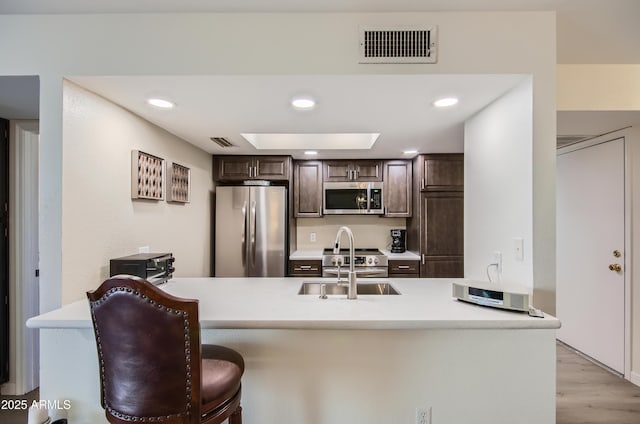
pixel 441 172
pixel 307 188
pixel 436 228
pixel 240 168
pixel 397 188
pixel 353 170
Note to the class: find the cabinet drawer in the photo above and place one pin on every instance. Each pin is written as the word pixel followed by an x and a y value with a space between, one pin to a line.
pixel 404 267
pixel 305 268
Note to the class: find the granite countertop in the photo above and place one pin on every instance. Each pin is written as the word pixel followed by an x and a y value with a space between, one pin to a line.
pixel 273 303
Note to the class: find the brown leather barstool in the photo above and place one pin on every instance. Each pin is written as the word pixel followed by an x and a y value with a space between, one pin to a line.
pixel 152 366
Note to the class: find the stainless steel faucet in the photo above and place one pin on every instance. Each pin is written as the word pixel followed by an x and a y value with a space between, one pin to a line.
pixel 352 292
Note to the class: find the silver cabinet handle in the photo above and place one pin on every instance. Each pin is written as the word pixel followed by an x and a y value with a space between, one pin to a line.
pixel 422 184
pixel 250 171
pixel 255 172
pixel 423 259
pixel 306 268
pixel 403 267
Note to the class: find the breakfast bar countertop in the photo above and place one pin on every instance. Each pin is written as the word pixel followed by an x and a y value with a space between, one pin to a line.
pixel 273 303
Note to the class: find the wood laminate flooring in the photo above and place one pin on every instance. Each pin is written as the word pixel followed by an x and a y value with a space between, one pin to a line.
pixel 587 394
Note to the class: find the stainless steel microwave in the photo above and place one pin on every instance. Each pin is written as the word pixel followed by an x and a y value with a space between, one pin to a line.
pixel 353 198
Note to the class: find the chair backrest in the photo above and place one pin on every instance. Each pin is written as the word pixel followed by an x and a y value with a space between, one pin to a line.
pixel 148 350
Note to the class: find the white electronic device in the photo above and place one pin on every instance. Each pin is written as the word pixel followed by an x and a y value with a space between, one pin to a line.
pixel 496 295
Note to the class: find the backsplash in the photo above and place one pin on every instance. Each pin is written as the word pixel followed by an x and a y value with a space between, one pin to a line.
pixel 368 231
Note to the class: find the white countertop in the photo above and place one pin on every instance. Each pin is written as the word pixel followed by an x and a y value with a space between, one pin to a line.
pixel 406 255
pixel 311 255
pixel 271 303
pixel 306 255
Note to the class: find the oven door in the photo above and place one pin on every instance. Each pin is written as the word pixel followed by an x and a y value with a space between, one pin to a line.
pixel 361 272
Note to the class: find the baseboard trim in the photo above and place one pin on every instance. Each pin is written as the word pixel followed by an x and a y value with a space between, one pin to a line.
pixel 9 389
pixel 635 378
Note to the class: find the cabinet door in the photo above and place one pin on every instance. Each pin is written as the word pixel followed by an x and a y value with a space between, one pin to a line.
pixel 397 188
pixel 442 238
pixel 443 267
pixel 367 170
pixel 232 168
pixel 337 170
pixel 307 189
pixel 348 170
pixel 443 172
pixel 271 168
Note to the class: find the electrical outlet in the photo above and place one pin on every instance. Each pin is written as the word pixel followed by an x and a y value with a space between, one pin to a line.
pixel 423 415
pixel 143 249
pixel 312 237
pixel 497 259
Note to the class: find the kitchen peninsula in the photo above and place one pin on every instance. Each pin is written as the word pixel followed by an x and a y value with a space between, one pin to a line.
pixel 309 360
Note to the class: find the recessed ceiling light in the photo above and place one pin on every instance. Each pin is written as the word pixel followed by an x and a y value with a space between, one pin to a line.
pixel 311 152
pixel 410 152
pixel 303 103
pixel 161 103
pixel 446 102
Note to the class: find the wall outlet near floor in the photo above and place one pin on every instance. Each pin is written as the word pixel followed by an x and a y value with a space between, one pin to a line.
pixel 423 415
pixel 312 237
pixel 143 249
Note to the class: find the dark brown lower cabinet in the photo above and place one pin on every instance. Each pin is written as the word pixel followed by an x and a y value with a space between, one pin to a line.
pixel 305 268
pixel 444 267
pixel 401 268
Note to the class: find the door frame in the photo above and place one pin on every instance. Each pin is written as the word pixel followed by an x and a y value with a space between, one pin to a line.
pixel 628 254
pixel 24 299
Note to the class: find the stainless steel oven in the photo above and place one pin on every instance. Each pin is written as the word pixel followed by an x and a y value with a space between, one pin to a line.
pixel 353 198
pixel 368 263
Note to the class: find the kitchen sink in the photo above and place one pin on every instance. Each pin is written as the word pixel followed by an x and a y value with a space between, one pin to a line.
pixel 374 287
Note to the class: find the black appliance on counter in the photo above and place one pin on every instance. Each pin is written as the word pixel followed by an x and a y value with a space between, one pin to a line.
pixel 398 241
pixel 156 268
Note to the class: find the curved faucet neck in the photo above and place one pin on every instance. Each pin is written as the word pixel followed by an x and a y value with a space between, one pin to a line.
pixel 336 248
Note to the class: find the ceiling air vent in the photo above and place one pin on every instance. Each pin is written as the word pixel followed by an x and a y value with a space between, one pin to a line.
pixel 221 141
pixel 398 45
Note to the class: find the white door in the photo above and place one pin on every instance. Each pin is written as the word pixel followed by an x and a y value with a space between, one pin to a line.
pixel 590 236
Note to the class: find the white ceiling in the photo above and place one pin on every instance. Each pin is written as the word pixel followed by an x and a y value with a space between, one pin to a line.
pixel 588 31
pixel 397 107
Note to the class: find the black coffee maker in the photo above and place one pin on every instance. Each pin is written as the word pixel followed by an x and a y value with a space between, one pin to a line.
pixel 398 241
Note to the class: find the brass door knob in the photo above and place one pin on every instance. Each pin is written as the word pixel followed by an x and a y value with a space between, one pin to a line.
pixel 617 253
pixel 615 267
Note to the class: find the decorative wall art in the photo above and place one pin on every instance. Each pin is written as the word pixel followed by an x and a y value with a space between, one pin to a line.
pixel 147 173
pixel 178 183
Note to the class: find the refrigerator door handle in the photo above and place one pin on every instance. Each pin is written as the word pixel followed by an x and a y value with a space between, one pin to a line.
pixel 253 230
pixel 244 234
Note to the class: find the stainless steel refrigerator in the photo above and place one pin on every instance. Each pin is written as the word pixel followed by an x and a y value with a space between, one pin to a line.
pixel 251 231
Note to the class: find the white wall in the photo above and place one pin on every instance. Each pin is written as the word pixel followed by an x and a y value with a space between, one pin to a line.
pixel 100 220
pixel 498 186
pixel 113 44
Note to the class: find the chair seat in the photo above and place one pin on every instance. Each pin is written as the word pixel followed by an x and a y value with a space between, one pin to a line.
pixel 222 370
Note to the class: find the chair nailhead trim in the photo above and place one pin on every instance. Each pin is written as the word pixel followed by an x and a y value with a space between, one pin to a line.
pixel 187 351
